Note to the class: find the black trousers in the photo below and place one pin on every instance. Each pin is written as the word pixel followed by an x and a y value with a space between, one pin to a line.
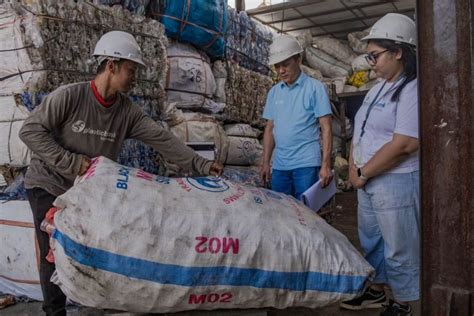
pixel 54 299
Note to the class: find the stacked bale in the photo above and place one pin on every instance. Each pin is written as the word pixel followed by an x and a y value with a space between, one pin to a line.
pixel 246 93
pixel 46 44
pixel 244 147
pixel 248 42
pixel 232 90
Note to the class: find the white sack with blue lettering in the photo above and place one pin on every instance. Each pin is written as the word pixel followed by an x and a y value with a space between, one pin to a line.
pixel 128 240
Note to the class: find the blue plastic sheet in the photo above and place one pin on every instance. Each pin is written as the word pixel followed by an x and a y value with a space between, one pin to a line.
pixel 15 191
pixel 32 100
pixel 244 175
pixel 199 22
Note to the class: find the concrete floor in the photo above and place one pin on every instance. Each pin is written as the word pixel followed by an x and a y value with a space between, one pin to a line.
pixel 344 219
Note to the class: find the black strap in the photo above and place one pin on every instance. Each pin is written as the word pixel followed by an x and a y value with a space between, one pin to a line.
pixel 362 129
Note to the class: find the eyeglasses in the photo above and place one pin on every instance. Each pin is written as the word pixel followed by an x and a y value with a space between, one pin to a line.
pixel 372 57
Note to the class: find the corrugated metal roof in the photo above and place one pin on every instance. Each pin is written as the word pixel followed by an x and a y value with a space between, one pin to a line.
pixel 328 17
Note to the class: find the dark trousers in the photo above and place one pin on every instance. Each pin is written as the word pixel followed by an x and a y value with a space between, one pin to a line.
pixel 54 299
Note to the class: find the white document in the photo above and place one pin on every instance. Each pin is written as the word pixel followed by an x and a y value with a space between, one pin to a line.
pixel 316 196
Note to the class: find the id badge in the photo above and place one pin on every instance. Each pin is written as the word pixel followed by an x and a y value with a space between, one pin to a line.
pixel 358 155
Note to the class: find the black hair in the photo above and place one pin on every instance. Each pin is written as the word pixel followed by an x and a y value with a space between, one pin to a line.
pixel 408 60
pixel 103 64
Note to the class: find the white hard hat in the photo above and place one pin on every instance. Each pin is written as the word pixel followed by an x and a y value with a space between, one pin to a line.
pixel 283 47
pixel 119 44
pixel 394 26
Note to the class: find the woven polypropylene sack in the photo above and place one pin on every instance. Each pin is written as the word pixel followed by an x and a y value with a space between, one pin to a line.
pixel 328 65
pixel 133 241
pixel 244 151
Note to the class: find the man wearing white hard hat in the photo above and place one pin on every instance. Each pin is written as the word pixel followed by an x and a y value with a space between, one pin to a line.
pixel 83 120
pixel 298 115
pixel 384 167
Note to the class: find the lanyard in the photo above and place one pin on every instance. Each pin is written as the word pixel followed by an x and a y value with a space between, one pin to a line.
pixel 371 105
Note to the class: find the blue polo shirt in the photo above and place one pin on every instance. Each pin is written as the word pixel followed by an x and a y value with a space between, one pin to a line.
pixel 295 111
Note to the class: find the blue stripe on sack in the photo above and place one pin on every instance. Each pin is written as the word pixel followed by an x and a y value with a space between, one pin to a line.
pixel 206 276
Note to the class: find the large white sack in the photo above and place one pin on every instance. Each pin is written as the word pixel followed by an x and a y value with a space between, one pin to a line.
pixel 328 65
pixel 313 73
pixel 15 31
pixel 244 151
pixel 197 127
pixel 13 151
pixel 133 241
pixel 356 43
pixel 189 81
pixel 19 257
pixel 360 63
pixel 244 130
pixel 305 39
pixel 336 48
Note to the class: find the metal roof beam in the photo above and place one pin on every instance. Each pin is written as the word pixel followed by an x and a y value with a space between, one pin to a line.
pixel 281 7
pixel 362 6
pixel 314 23
pixel 267 24
pixel 345 21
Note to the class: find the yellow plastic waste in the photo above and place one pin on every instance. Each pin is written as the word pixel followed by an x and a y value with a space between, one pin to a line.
pixel 359 78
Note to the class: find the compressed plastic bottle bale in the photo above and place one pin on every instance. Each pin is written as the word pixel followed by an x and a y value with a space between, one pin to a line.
pixel 199 22
pixel 248 42
pixel 246 93
pixel 135 6
pixel 46 44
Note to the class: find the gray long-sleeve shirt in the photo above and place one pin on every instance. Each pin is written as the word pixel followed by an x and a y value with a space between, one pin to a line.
pixel 70 123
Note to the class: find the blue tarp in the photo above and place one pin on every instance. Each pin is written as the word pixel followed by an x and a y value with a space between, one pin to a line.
pixel 199 22
pixel 16 190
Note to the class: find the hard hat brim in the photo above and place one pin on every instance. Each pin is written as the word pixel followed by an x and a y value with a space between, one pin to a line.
pixel 378 37
pixel 275 59
pixel 137 61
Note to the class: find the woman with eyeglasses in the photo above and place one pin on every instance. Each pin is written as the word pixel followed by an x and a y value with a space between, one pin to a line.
pixel 384 167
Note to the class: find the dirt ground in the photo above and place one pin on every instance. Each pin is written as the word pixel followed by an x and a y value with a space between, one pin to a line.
pixel 344 218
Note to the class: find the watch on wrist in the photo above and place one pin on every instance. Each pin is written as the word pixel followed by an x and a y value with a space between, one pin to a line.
pixel 360 175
